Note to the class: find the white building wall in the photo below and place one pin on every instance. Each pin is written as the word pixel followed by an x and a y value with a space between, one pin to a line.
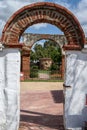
pixel 75 95
pixel 10 88
pixel 2 95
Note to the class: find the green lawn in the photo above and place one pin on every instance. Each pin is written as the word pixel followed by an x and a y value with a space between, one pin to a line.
pixel 41 80
pixel 44 71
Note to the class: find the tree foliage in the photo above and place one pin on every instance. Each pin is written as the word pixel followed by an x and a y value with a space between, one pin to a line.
pixel 49 49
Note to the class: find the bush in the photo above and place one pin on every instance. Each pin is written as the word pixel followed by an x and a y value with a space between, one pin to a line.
pixel 34 71
pixel 54 67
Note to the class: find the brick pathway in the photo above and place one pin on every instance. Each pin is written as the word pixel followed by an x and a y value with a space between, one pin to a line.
pixel 41 110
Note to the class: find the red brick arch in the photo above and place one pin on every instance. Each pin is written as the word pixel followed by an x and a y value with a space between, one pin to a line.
pixel 44 12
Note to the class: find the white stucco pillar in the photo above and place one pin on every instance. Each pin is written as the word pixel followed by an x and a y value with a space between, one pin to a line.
pixel 10 89
pixel 2 95
pixel 75 90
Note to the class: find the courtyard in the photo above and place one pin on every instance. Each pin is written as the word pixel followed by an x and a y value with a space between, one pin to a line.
pixel 41 106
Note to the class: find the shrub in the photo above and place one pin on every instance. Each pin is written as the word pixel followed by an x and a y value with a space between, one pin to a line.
pixel 34 71
pixel 54 67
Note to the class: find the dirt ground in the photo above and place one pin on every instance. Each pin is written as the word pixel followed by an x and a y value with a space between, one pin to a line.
pixel 41 86
pixel 41 106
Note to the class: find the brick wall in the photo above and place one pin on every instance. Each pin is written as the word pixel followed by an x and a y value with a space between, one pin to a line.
pixel 25 67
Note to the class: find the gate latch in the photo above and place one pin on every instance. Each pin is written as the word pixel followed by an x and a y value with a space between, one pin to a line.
pixel 66 86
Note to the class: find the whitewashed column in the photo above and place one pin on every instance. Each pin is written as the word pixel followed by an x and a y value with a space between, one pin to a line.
pixel 2 94
pixel 75 95
pixel 12 89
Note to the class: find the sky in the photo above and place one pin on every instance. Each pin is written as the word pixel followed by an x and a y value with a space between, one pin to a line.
pixel 77 7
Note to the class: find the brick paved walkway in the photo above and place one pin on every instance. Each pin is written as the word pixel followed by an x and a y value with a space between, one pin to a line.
pixel 41 110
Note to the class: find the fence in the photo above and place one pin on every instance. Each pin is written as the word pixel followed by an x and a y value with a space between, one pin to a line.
pixel 45 75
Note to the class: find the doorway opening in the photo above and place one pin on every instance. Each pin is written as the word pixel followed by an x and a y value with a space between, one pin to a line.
pixel 42 95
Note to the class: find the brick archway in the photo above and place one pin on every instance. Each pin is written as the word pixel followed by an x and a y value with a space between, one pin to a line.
pixel 59 16
pixel 44 12
pixel 30 39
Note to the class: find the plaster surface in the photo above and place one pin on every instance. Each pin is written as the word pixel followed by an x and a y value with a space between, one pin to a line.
pixel 76 90
pixel 9 89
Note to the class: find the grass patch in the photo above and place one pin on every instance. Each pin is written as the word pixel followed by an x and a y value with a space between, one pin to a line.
pixel 36 80
pixel 44 71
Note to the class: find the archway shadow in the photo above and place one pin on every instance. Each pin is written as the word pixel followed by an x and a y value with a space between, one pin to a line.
pixel 58 96
pixel 47 120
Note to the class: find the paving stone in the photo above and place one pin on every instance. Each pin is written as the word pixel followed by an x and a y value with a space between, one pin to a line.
pixel 42 110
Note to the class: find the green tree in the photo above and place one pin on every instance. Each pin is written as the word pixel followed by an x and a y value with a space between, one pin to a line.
pixel 38 51
pixel 50 49
pixel 33 56
pixel 53 51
